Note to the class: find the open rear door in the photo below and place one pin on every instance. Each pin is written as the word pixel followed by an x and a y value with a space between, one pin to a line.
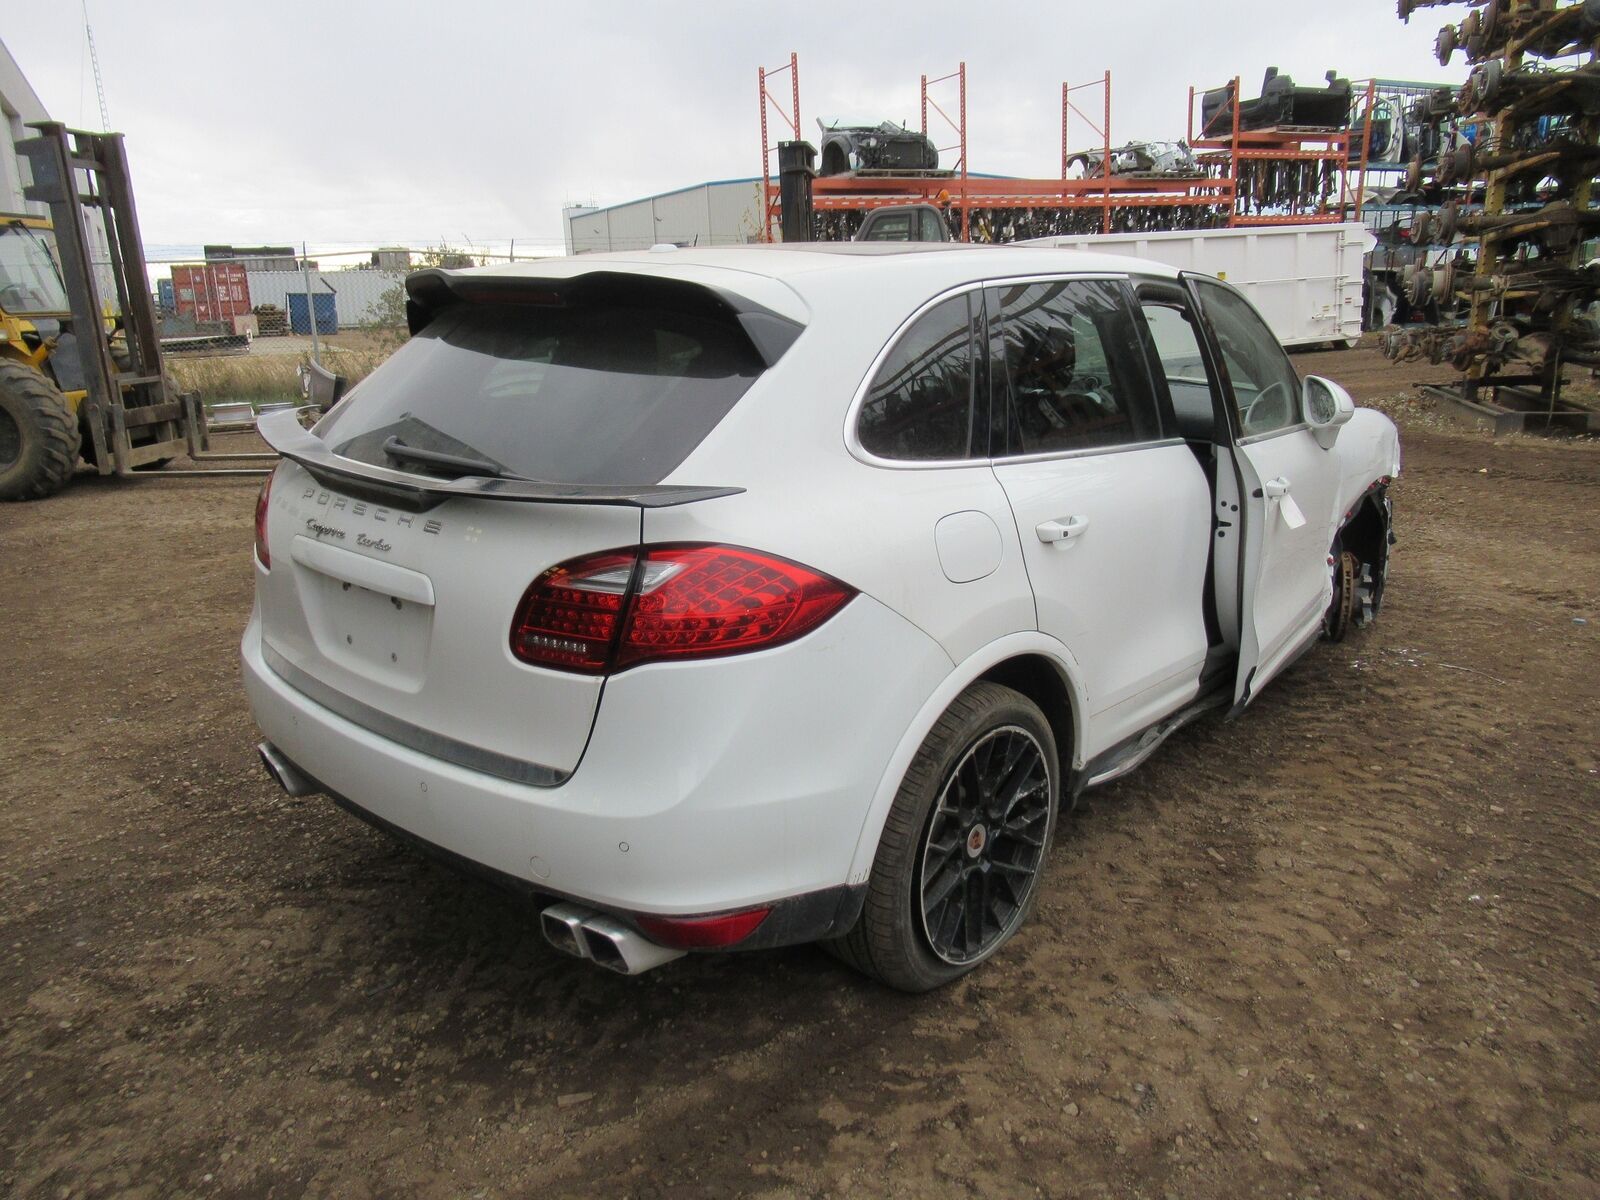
pixel 1288 490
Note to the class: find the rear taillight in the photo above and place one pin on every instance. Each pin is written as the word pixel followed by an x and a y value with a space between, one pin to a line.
pixel 568 618
pixel 263 555
pixel 608 611
pixel 702 933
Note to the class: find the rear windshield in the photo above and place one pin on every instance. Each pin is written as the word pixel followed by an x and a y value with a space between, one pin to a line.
pixel 588 394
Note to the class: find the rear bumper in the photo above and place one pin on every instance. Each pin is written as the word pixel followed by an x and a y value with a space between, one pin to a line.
pixel 806 918
pixel 705 787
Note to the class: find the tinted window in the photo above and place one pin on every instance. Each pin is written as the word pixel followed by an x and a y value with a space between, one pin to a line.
pixel 921 402
pixel 1266 391
pixel 590 394
pixel 896 227
pixel 1073 367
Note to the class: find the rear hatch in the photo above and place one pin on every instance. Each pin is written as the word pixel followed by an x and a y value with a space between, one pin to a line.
pixel 526 423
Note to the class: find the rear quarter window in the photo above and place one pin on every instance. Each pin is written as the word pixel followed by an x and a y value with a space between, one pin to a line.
pixel 921 405
pixel 602 393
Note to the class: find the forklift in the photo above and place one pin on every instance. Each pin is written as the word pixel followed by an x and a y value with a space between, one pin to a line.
pixel 80 355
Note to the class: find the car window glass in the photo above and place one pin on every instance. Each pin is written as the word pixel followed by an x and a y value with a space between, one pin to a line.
pixel 932 227
pixel 893 228
pixel 1184 369
pixel 1073 367
pixel 1266 390
pixel 590 393
pixel 920 405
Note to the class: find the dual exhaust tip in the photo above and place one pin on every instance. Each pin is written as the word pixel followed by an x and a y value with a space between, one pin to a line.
pixel 570 928
pixel 604 941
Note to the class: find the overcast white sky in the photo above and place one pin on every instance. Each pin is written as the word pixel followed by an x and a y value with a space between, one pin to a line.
pixel 353 121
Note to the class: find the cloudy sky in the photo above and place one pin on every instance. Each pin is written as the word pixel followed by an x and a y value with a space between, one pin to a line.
pixel 359 122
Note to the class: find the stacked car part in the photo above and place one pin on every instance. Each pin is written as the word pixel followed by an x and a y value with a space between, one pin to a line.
pixel 1512 181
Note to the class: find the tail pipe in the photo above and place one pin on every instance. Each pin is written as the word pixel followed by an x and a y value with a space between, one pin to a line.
pixel 284 773
pixel 605 941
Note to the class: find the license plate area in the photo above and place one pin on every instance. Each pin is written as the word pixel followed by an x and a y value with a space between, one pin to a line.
pixel 369 632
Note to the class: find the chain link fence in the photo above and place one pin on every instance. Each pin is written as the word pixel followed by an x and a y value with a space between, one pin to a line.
pixel 258 325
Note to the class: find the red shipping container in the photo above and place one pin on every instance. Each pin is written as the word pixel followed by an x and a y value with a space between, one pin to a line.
pixel 211 292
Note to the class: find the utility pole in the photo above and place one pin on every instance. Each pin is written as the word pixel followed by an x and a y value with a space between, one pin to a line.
pixel 311 305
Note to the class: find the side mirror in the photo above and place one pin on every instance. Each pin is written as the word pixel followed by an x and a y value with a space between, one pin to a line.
pixel 1325 406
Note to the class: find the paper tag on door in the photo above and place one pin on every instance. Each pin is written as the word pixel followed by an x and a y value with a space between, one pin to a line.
pixel 1290 511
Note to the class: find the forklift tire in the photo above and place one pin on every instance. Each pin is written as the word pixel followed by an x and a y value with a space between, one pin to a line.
pixel 39 438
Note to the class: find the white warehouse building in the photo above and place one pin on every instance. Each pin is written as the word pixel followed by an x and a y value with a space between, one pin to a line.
pixel 726 212
pixel 19 104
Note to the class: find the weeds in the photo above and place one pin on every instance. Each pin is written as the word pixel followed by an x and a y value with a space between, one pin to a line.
pixel 265 378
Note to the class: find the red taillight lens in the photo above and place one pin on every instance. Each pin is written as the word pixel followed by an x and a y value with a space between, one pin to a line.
pixel 681 602
pixel 697 601
pixel 568 617
pixel 702 933
pixel 262 553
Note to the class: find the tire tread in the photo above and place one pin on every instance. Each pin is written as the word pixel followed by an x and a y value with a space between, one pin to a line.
pixel 873 944
pixel 56 457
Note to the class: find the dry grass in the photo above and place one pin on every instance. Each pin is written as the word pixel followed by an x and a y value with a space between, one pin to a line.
pixel 263 378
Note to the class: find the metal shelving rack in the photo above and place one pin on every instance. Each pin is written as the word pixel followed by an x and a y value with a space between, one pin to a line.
pixel 1248 159
pixel 981 208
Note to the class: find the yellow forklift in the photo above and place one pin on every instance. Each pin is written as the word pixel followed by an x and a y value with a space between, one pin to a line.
pixel 80 354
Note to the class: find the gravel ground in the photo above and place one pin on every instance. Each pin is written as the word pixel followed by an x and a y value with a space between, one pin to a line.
pixel 1342 946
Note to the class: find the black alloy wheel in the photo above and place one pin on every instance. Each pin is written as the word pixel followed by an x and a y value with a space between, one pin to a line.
pixel 961 855
pixel 984 845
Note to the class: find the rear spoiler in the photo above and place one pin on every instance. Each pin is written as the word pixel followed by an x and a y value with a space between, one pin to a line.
pixel 418 493
pixel 434 289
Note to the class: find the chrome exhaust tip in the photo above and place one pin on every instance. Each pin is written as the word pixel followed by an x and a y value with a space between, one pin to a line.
pixel 604 941
pixel 619 948
pixel 284 773
pixel 563 928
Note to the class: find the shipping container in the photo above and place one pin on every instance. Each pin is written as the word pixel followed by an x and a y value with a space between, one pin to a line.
pixel 209 293
pixel 1306 280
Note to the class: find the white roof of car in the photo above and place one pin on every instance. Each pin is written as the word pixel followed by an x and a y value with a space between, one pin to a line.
pixel 962 261
pixel 804 269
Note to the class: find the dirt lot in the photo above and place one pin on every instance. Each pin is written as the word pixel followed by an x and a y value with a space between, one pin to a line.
pixel 1343 946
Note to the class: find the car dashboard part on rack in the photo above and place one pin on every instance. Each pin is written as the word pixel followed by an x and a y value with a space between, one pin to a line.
pixel 1281 103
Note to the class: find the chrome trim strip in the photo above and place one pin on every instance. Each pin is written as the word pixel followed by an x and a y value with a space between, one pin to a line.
pixel 1086 452
pixel 1272 433
pixel 412 737
pixel 853 443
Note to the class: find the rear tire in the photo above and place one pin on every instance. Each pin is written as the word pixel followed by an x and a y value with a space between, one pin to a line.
pixel 38 435
pixel 975 815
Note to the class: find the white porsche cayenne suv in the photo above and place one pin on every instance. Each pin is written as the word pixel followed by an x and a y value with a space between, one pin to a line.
pixel 741 597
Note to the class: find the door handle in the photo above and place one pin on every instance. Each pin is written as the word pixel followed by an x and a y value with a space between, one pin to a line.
pixel 1061 529
pixel 1276 487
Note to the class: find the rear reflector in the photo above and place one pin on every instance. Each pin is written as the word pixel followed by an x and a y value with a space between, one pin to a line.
pixel 619 609
pixel 702 933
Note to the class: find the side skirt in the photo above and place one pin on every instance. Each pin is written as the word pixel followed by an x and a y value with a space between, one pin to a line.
pixel 1127 754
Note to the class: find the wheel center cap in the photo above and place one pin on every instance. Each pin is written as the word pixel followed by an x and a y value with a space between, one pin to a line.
pixel 977 838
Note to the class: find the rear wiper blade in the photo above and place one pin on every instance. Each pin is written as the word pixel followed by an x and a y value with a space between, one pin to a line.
pixel 396 449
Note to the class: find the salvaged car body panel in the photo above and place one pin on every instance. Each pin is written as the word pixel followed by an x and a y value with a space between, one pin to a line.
pixel 1153 160
pixel 885 147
